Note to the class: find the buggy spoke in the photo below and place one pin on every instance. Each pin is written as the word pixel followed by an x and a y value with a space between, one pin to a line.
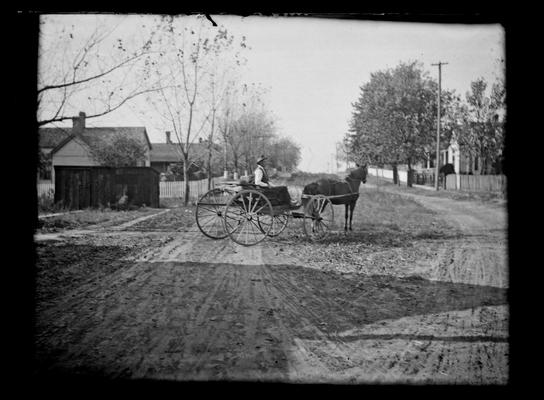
pixel 239 229
pixel 249 203
pixel 212 210
pixel 208 214
pixel 251 226
pixel 321 218
pixel 242 220
pixel 209 222
pixel 244 228
pixel 260 209
pixel 236 219
pixel 229 227
pixel 244 207
pixel 255 205
pixel 254 224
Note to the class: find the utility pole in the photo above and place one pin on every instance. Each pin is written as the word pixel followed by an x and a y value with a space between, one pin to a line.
pixel 438 124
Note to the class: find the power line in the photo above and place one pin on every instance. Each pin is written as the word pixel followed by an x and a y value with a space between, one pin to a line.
pixel 439 64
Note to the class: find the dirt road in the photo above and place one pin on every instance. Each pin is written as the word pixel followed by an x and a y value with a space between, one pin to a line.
pixel 176 305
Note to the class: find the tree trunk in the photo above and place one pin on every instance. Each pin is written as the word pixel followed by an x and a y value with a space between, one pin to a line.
pixel 186 179
pixel 409 179
pixel 210 141
pixel 235 161
pixel 209 168
pixel 395 174
pixel 225 165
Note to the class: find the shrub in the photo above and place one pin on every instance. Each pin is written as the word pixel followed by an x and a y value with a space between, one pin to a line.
pixel 46 203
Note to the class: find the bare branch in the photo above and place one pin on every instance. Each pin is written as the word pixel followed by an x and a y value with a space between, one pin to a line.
pixel 88 79
pixel 107 110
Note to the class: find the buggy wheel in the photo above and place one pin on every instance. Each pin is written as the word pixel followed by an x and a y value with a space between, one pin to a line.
pixel 318 218
pixel 278 221
pixel 242 214
pixel 210 209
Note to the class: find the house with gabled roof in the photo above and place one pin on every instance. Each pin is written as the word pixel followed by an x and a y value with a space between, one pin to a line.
pixel 73 147
pixel 163 155
pixel 48 139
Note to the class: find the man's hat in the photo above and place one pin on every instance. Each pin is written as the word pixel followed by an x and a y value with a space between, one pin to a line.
pixel 261 158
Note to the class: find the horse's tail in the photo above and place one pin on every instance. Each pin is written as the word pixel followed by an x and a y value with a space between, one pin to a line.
pixel 311 188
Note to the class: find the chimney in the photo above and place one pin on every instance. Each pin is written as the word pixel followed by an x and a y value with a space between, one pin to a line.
pixel 168 140
pixel 78 123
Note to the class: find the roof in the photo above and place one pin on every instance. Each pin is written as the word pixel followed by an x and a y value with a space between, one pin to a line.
pixel 165 152
pixel 95 137
pixel 51 137
pixel 170 152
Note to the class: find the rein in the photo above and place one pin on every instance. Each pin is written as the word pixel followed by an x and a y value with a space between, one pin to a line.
pixel 347 178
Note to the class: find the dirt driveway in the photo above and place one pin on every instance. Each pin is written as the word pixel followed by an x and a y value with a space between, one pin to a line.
pixel 169 303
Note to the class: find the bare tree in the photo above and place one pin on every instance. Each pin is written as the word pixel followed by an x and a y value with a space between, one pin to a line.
pixel 250 126
pixel 184 69
pixel 90 64
pixel 225 121
pixel 221 85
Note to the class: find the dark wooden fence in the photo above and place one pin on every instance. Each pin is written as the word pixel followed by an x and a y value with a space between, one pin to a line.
pixel 82 187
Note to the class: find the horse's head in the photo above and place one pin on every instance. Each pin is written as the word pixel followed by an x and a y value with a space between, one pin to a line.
pixel 360 172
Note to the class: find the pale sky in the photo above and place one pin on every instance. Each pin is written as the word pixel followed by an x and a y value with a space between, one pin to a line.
pixel 314 68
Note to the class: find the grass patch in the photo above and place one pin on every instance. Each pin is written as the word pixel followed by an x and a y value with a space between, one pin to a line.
pixel 46 204
pixel 391 233
pixel 462 195
pixel 389 210
pixel 173 202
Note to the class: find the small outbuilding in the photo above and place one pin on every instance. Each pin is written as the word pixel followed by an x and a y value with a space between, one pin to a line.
pixel 96 187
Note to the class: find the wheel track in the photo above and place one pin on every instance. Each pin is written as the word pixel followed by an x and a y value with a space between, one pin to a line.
pixel 249 289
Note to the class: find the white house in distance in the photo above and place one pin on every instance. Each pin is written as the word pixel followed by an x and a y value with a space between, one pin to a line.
pixel 462 162
pixel 73 146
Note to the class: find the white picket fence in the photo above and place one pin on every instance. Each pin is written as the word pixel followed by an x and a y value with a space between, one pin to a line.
pixel 176 189
pixel 474 183
pixel 477 183
pixel 388 174
pixel 46 189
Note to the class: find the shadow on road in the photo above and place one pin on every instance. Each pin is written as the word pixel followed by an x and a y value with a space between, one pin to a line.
pixel 199 321
pixel 345 301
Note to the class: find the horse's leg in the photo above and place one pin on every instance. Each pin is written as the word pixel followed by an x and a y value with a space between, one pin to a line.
pixel 351 208
pixel 346 219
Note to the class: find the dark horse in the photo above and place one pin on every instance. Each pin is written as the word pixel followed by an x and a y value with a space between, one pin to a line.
pixel 348 189
pixel 444 171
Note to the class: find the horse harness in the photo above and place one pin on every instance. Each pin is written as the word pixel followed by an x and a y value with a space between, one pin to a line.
pixel 347 178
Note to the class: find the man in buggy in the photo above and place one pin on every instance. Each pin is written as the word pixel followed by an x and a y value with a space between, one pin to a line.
pixel 278 194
